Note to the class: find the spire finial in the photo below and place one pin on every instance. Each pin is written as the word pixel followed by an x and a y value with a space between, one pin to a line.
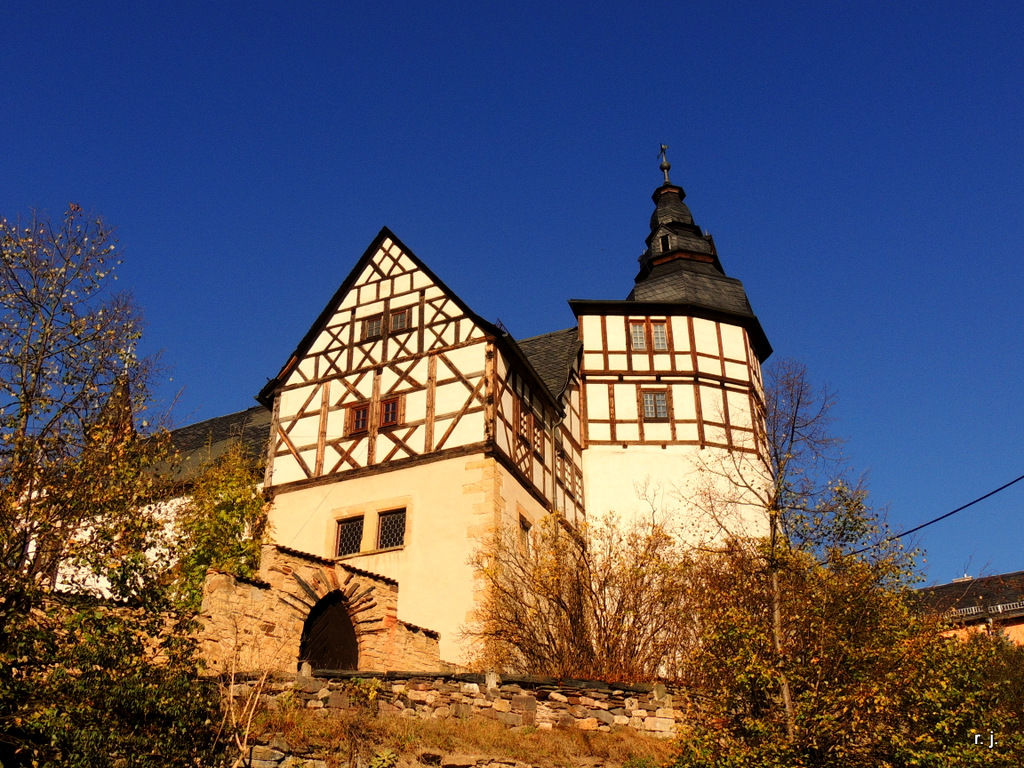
pixel 665 165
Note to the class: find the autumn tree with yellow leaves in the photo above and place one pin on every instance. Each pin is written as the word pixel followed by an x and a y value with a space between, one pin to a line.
pixel 96 665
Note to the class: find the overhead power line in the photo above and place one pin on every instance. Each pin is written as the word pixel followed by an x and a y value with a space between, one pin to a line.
pixel 895 536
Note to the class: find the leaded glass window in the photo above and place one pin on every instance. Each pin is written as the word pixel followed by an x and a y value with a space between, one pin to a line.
pixel 350 536
pixel 391 530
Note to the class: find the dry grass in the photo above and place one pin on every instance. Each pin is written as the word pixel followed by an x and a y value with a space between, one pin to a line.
pixel 355 738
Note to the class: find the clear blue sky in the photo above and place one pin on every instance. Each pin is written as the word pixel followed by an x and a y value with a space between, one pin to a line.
pixel 861 167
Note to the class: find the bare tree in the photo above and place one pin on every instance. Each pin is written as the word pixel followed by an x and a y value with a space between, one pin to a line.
pixel 606 601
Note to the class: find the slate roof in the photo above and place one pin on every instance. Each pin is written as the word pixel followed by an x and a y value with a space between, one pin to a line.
pixel 999 596
pixel 672 214
pixel 553 355
pixel 200 443
pixel 681 274
pixel 695 283
pixel 266 395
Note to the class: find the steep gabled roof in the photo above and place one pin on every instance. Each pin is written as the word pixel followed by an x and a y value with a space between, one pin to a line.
pixel 200 443
pixel 502 338
pixel 553 356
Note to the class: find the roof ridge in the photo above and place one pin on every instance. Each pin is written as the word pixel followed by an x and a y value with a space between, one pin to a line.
pixel 549 333
pixel 257 407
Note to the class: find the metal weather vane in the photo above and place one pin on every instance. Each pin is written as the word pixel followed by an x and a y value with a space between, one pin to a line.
pixel 665 165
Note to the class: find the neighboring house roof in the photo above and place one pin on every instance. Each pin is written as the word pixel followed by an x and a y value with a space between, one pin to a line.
pixel 200 443
pixel 986 597
pixel 553 356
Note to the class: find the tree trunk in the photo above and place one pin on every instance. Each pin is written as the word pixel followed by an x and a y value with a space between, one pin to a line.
pixel 773 565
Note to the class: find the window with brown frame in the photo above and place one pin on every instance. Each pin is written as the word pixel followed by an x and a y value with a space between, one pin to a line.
pixel 358 418
pixel 524 422
pixel 389 412
pixel 655 406
pixel 350 536
pixel 401 319
pixel 637 337
pixel 373 327
pixel 391 529
pixel 659 335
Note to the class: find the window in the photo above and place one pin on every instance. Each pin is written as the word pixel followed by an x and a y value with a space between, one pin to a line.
pixel 389 412
pixel 637 336
pixel 401 319
pixel 350 536
pixel 524 422
pixel 524 534
pixel 660 336
pixel 372 327
pixel 391 531
pixel 655 406
pixel 664 243
pixel 359 418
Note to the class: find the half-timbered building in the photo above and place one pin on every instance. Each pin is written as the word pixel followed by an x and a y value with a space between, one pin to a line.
pixel 405 428
pixel 671 385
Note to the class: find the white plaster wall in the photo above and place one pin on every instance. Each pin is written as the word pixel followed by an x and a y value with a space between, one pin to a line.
pixel 591 326
pixel 616 330
pixel 681 485
pixel 447 510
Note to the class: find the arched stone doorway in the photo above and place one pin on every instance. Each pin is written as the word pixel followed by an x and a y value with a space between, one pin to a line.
pixel 328 637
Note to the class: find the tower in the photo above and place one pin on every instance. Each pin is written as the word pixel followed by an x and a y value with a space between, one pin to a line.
pixel 671 381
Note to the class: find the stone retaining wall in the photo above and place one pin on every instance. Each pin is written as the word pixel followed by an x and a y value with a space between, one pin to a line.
pixel 268 756
pixel 514 701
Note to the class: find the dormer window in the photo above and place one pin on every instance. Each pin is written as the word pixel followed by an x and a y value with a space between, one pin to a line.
pixel 664 243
